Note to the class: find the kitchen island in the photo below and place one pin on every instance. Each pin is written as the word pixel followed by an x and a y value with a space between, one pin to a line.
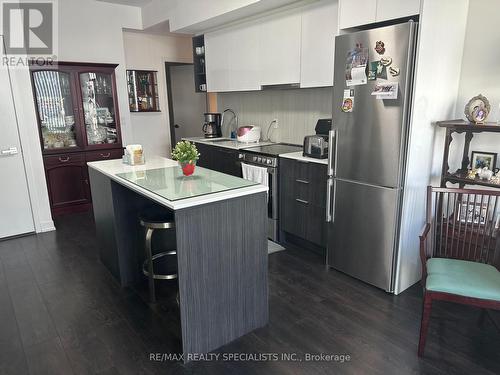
pixel 220 238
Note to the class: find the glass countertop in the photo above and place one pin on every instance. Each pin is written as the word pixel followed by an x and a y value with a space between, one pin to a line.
pixel 171 184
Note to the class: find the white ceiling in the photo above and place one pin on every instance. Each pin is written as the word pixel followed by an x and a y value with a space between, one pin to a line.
pixel 135 3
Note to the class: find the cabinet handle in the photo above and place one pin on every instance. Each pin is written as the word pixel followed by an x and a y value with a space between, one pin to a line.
pixel 63 160
pixel 301 201
pixel 107 155
pixel 302 181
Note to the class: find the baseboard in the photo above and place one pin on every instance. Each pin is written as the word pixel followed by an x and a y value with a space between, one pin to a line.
pixel 45 226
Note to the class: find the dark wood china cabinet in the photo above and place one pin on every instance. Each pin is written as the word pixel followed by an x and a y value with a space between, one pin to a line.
pixel 78 122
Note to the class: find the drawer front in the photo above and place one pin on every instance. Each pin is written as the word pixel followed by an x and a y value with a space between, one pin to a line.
pixel 317 184
pixel 56 160
pixel 104 155
pixel 303 200
pixel 304 180
pixel 293 214
pixel 316 228
pixel 292 189
pixel 294 169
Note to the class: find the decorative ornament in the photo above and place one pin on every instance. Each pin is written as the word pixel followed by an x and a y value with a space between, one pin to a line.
pixel 477 109
pixel 386 61
pixel 471 174
pixel 495 179
pixel 380 47
pixel 394 71
pixel 347 105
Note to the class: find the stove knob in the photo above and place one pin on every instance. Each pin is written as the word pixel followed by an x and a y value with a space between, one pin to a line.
pixel 269 161
pixel 254 158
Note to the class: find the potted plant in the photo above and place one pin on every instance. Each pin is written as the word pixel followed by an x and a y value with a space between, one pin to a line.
pixel 186 154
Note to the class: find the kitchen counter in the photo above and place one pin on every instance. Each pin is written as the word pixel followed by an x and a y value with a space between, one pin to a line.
pixel 226 142
pixel 220 237
pixel 299 156
pixel 161 179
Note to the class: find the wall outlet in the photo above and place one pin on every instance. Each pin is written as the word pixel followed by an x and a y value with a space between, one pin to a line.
pixel 275 123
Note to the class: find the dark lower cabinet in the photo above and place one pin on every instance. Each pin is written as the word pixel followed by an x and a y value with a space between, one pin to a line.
pixel 227 161
pixel 219 159
pixel 303 200
pixel 206 152
pixel 68 181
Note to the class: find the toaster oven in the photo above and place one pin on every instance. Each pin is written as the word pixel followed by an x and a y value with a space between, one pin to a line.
pixel 316 146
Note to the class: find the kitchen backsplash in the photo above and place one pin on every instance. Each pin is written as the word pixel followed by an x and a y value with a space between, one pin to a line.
pixel 297 110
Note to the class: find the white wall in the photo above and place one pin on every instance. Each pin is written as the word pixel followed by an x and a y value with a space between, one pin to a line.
pixel 89 31
pixel 150 52
pixel 297 110
pixel 435 92
pixel 480 73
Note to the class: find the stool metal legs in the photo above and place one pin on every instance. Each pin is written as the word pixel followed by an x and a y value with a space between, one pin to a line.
pixel 149 255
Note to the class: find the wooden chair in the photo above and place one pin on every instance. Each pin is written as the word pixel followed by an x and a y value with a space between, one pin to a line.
pixel 458 250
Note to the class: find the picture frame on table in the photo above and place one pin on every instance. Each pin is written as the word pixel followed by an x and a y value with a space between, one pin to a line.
pixel 481 159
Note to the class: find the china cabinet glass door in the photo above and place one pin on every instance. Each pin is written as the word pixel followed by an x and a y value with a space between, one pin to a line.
pixel 98 108
pixel 55 107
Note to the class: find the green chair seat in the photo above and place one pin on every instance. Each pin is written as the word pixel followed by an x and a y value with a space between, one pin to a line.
pixel 464 278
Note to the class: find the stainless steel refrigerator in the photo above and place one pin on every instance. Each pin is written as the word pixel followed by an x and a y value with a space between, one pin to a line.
pixel 367 161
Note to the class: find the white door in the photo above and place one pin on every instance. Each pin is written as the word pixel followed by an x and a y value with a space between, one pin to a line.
pixel 15 208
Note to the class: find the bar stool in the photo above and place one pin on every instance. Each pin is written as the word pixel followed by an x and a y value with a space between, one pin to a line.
pixel 152 223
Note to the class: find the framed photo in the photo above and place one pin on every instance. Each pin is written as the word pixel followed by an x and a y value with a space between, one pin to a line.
pixel 472 212
pixel 483 159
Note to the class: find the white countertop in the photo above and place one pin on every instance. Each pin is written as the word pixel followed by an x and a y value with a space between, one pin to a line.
pixel 112 169
pixel 299 156
pixel 226 142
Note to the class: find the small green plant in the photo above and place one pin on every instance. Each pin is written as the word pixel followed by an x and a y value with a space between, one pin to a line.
pixel 185 152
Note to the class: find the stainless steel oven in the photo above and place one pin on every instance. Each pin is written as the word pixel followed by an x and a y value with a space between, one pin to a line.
pixel 267 157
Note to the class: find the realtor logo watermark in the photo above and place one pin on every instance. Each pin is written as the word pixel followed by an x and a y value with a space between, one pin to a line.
pixel 29 31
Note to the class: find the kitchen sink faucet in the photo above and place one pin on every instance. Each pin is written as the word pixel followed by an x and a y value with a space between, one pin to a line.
pixel 235 119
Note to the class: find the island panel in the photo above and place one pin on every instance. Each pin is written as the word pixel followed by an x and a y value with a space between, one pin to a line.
pixel 222 260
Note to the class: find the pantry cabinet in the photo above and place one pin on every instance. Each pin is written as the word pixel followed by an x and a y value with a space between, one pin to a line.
pixel 319 28
pixel 392 9
pixel 354 13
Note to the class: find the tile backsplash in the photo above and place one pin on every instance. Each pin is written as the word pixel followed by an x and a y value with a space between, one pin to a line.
pixel 297 110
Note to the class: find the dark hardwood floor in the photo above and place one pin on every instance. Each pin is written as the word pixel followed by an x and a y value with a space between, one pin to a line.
pixel 62 313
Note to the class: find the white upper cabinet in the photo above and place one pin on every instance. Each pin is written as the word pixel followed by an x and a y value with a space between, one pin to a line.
pixel 355 13
pixel 319 28
pixel 244 58
pixel 217 60
pixel 280 48
pixel 232 59
pixel 292 47
pixel 391 9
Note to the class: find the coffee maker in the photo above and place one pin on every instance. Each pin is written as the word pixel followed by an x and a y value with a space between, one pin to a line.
pixel 212 126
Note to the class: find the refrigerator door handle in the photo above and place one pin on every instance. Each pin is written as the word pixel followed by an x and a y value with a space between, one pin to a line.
pixel 331 146
pixel 329 185
pixel 334 199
